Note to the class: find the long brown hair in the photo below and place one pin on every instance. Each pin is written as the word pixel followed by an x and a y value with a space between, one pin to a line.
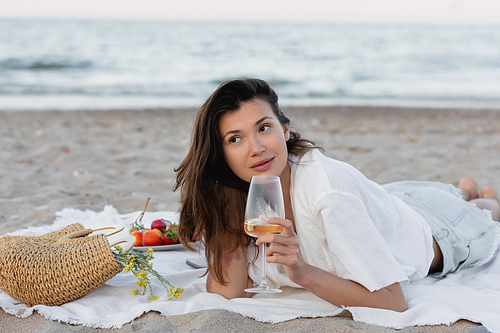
pixel 212 197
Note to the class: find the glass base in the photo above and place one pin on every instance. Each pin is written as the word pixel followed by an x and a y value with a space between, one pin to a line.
pixel 263 290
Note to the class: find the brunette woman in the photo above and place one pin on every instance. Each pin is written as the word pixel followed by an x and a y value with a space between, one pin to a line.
pixel 347 239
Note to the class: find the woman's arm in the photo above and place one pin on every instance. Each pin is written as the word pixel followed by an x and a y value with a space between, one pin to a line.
pixel 333 289
pixel 342 292
pixel 235 273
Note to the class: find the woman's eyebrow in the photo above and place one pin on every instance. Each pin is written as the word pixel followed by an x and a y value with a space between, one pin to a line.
pixel 256 124
pixel 262 119
pixel 230 132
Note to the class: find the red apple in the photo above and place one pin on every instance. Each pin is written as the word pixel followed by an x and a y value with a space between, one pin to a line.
pixel 159 224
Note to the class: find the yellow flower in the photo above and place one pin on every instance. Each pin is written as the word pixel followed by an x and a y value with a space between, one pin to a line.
pixel 139 264
pixel 142 283
pixel 174 292
pixel 128 268
pixel 130 259
pixel 179 292
pixel 141 275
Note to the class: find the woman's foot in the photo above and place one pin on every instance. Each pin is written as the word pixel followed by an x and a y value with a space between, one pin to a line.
pixel 469 188
pixel 490 192
pixel 489 200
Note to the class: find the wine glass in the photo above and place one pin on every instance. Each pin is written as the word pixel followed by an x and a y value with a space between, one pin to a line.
pixel 265 198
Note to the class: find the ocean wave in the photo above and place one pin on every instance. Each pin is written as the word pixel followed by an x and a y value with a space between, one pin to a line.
pixel 61 90
pixel 272 81
pixel 43 65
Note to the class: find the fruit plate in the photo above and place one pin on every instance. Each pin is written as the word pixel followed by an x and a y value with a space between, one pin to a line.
pixel 159 248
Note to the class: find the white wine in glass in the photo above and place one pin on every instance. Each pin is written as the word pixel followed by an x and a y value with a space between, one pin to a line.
pixel 265 198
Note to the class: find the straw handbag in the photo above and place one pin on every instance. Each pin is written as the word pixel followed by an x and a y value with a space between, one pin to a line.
pixel 57 267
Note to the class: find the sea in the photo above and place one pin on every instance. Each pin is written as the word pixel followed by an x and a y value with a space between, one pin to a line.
pixel 103 65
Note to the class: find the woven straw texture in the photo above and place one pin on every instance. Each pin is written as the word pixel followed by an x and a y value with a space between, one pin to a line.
pixel 57 267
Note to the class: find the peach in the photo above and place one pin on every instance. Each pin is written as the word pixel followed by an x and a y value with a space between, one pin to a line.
pixel 158 231
pixel 152 238
pixel 138 238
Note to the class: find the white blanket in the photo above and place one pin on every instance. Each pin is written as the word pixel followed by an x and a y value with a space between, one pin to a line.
pixel 473 294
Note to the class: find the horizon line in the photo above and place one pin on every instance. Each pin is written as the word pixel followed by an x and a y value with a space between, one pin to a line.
pixel 247 21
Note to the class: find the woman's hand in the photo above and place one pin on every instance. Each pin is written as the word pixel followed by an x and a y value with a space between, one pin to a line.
pixel 284 249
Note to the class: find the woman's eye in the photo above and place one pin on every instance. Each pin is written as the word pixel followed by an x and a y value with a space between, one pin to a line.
pixel 234 139
pixel 264 128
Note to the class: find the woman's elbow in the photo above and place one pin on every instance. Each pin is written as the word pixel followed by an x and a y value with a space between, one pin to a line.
pixel 397 304
pixel 400 307
pixel 226 291
pixel 396 301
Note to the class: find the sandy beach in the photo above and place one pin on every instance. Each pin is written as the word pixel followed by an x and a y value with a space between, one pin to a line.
pixel 52 160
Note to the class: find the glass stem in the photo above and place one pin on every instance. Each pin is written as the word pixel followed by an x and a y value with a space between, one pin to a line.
pixel 263 281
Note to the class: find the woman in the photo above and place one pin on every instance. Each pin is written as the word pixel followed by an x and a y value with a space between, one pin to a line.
pixel 347 239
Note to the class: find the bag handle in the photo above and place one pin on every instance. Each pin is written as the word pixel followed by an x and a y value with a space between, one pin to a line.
pixel 115 229
pixel 128 240
pixel 80 236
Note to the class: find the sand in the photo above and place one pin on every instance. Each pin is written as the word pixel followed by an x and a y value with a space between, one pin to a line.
pixel 52 160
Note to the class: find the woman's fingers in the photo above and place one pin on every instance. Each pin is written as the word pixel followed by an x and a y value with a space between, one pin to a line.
pixel 277 243
pixel 279 221
pixel 286 224
pixel 273 238
pixel 283 250
pixel 289 257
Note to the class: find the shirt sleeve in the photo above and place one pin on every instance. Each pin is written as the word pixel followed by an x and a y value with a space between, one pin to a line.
pixel 358 251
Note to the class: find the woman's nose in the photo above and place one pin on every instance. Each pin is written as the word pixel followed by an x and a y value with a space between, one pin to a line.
pixel 257 147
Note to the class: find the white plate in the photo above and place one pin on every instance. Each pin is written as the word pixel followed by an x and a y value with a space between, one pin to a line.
pixel 159 248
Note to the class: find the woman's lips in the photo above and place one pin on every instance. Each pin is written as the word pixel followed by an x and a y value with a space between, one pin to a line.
pixel 263 165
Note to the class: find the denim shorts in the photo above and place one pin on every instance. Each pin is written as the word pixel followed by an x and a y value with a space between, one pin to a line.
pixel 466 235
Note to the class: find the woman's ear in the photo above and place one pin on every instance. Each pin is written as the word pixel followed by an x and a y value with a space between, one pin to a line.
pixel 286 132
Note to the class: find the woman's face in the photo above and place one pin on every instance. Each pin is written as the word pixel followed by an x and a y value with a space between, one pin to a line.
pixel 254 141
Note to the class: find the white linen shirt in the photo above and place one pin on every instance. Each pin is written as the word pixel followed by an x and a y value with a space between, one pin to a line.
pixel 349 226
